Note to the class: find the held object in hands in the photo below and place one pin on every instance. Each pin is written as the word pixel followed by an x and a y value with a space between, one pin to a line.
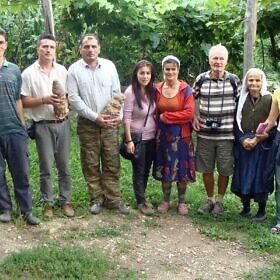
pixel 261 127
pixel 60 110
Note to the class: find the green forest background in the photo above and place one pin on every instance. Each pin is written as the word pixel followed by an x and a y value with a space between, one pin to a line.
pixel 131 30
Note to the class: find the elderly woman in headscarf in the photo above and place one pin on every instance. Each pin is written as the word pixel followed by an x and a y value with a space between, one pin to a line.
pixel 253 174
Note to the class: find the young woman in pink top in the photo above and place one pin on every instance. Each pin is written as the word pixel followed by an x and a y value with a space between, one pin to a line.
pixel 140 101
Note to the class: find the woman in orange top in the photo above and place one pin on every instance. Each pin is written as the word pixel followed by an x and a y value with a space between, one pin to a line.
pixel 174 148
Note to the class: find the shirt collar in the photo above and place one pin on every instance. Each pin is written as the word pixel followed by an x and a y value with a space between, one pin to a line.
pixel 39 66
pixel 208 75
pixel 86 64
pixel 6 63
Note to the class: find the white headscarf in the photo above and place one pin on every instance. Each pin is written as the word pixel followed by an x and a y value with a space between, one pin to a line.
pixel 244 93
pixel 171 57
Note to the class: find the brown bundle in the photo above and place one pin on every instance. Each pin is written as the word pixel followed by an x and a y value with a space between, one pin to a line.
pixel 60 110
pixel 113 108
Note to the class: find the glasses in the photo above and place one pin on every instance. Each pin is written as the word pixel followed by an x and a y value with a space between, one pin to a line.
pixel 2 43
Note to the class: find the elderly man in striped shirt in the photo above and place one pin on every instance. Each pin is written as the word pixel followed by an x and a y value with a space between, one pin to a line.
pixel 215 92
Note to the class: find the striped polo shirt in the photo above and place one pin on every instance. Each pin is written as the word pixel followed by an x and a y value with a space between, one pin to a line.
pixel 10 87
pixel 216 101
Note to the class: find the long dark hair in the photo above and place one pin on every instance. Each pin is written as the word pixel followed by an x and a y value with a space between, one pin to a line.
pixel 150 89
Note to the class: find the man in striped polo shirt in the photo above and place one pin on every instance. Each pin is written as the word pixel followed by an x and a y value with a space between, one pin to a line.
pixel 215 92
pixel 13 142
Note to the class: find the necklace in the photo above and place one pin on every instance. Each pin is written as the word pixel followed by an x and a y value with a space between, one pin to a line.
pixel 170 90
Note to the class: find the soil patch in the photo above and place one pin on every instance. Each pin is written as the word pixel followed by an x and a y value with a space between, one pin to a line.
pixel 161 247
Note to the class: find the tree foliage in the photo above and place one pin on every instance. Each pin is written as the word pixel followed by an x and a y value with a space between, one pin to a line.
pixel 131 30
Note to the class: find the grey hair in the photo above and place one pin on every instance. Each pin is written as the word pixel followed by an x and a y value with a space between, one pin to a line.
pixel 220 47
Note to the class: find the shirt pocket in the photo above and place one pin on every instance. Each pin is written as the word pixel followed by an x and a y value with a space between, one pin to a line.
pixel 106 89
pixel 106 84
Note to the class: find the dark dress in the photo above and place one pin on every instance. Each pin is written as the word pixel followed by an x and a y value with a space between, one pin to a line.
pixel 253 176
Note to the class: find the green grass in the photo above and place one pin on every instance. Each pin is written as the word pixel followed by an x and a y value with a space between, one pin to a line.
pixel 272 273
pixel 99 231
pixel 56 263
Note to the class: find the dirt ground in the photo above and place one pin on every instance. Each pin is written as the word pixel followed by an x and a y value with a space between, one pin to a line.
pixel 162 247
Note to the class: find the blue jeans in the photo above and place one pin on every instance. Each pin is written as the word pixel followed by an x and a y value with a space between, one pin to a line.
pixel 13 151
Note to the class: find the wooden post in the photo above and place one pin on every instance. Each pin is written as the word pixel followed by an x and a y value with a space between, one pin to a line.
pixel 250 29
pixel 48 15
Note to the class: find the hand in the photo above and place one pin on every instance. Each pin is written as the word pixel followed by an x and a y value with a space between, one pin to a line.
pixel 130 147
pixel 262 137
pixel 107 121
pixel 52 99
pixel 114 121
pixel 102 120
pixel 249 143
pixel 196 124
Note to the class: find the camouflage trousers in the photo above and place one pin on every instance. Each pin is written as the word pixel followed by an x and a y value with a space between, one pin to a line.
pixel 100 161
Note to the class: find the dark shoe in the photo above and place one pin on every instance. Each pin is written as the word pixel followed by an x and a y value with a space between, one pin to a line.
pixel 6 217
pixel 31 219
pixel 207 207
pixel 275 230
pixel 260 217
pixel 48 211
pixel 146 208
pixel 96 208
pixel 246 212
pixel 67 210
pixel 123 209
pixel 218 209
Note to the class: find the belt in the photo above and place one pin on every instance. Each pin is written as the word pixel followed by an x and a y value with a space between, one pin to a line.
pixel 53 121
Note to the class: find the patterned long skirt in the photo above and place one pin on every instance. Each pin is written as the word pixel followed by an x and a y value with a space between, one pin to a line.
pixel 174 155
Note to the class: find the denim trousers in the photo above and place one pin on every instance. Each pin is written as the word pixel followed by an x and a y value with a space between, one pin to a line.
pixel 141 169
pixel 13 152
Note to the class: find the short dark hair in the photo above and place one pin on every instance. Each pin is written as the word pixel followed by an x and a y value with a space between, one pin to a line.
pixel 89 35
pixel 45 36
pixel 2 32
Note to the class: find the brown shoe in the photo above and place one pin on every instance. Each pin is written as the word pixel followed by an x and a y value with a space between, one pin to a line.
pixel 207 207
pixel 146 208
pixel 67 210
pixel 48 211
pixel 218 209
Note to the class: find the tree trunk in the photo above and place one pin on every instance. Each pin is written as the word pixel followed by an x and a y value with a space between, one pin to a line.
pixel 250 28
pixel 48 15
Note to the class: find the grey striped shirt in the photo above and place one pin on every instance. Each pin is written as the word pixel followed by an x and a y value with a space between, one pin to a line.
pixel 216 101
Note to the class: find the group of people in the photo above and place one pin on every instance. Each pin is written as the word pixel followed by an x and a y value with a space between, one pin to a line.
pixel 165 114
pixel 90 83
pixel 225 116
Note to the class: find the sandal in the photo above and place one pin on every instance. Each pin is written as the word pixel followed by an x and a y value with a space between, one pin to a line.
pixel 275 230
